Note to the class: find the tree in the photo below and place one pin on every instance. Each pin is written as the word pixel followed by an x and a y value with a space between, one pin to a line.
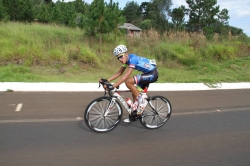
pixel 26 13
pixel 44 14
pixel 144 10
pixel 146 24
pixel 19 10
pixel 235 31
pixel 37 2
pixel 69 14
pixel 64 13
pixel 221 25
pixel 162 6
pixel 159 11
pixel 48 1
pixel 95 17
pixel 203 16
pixel 12 7
pixel 223 17
pixel 103 17
pixel 2 11
pixel 56 12
pixel 113 16
pixel 178 19
pixel 131 12
pixel 80 6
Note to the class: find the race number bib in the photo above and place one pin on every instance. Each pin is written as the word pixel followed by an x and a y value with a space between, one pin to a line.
pixel 152 61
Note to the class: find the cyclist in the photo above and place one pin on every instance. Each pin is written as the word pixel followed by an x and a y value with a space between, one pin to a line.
pixel 134 62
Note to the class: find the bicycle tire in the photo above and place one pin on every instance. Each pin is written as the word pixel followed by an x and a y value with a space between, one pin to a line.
pixel 94 115
pixel 156 113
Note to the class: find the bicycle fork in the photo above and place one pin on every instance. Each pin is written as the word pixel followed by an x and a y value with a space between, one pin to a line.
pixel 112 102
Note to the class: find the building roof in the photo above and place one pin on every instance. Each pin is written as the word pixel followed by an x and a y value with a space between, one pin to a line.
pixel 131 27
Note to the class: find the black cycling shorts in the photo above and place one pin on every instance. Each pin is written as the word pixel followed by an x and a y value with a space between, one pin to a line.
pixel 143 80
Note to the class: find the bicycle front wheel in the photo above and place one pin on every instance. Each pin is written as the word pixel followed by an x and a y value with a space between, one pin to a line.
pixel 156 113
pixel 101 117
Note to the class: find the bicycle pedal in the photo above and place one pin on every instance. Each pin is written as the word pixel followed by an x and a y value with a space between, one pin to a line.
pixel 133 116
pixel 132 119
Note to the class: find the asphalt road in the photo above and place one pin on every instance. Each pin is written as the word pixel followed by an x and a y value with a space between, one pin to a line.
pixel 206 128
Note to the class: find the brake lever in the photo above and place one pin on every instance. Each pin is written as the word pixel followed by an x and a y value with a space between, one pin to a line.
pixel 102 83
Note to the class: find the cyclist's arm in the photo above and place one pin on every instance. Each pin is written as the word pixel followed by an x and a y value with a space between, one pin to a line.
pixel 124 77
pixel 118 74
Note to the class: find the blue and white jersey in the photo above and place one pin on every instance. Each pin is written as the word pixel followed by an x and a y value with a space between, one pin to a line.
pixel 140 63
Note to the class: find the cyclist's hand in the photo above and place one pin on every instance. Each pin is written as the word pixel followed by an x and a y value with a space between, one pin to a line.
pixel 109 87
pixel 103 82
pixel 106 85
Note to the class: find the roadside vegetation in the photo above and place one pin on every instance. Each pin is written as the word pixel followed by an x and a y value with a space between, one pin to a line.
pixel 36 52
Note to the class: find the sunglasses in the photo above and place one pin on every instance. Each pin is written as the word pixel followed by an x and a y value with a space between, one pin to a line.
pixel 119 57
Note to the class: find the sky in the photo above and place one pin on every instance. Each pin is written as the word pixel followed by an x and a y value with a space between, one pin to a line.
pixel 239 10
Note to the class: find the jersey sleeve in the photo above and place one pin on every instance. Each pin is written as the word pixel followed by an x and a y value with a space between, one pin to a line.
pixel 132 62
pixel 124 65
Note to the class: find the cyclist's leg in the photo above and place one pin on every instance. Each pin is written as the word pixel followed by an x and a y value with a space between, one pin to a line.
pixel 130 85
pixel 143 80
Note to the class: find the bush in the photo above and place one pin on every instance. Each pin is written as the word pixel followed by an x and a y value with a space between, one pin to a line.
pixel 218 52
pixel 83 54
pixel 183 54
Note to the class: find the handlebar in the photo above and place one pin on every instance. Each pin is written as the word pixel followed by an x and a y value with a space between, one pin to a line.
pixel 109 86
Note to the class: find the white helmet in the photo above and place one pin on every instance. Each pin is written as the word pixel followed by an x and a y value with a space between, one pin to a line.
pixel 120 49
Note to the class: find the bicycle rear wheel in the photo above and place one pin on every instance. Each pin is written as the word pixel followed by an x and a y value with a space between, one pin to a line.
pixel 156 113
pixel 101 118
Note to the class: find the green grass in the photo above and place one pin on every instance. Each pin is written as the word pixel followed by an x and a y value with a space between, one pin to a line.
pixel 230 71
pixel 48 53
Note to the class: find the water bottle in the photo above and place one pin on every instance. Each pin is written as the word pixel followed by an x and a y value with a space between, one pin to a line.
pixel 129 102
pixel 135 105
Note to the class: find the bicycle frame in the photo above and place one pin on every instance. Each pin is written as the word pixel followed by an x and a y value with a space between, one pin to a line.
pixel 116 95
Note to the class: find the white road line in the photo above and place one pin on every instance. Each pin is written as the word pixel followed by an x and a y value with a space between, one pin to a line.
pixel 38 120
pixel 80 118
pixel 212 111
pixel 19 107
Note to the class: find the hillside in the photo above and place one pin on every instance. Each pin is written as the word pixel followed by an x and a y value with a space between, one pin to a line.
pixel 50 53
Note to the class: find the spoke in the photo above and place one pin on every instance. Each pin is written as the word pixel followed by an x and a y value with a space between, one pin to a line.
pixel 150 120
pixel 99 107
pixel 110 118
pixel 147 115
pixel 110 122
pixel 101 116
pixel 94 118
pixel 99 123
pixel 156 114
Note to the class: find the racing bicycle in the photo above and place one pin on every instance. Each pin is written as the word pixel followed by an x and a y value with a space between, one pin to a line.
pixel 104 114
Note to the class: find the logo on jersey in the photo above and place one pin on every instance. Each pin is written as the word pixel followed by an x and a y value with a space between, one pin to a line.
pixel 147 65
pixel 148 77
pixel 132 66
